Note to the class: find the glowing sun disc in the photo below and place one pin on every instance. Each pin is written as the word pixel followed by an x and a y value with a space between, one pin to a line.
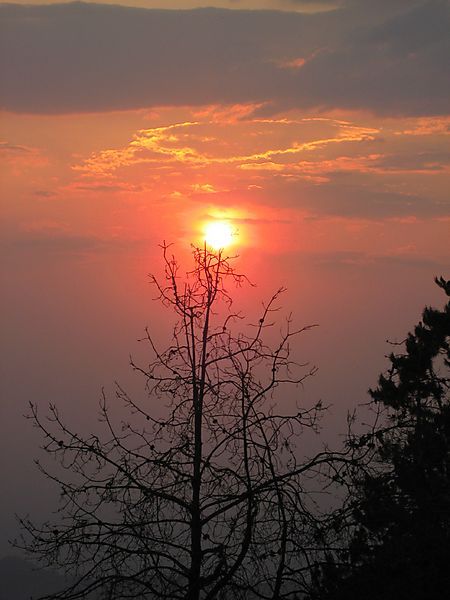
pixel 218 234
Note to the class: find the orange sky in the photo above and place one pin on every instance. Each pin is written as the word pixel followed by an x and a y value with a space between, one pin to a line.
pixel 323 139
pixel 349 183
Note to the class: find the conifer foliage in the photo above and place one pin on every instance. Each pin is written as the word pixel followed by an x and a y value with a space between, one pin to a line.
pixel 399 497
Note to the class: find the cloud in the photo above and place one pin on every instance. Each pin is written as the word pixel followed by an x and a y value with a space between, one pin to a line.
pixel 6 148
pixel 87 57
pixel 325 166
pixel 19 156
pixel 50 239
pixel 259 221
pixel 350 200
pixel 44 193
pixel 182 144
pixel 428 126
pixel 358 259
pixel 204 188
pixel 107 188
pixel 421 162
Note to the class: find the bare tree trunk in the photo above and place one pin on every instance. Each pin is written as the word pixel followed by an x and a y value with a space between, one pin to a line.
pixel 196 526
pixel 198 395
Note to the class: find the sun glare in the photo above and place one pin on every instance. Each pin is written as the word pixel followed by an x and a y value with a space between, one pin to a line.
pixel 219 234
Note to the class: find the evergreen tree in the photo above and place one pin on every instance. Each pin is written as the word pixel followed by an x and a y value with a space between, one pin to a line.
pixel 399 498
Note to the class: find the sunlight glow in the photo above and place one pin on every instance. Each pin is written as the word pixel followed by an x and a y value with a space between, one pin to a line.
pixel 218 234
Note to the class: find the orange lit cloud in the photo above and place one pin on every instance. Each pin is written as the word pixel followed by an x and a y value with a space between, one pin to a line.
pixel 298 62
pixel 181 143
pixel 227 114
pixel 295 63
pixel 334 177
pixel 253 159
pixel 428 126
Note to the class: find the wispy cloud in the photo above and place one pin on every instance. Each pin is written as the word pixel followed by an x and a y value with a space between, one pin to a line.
pixel 6 148
pixel 428 126
pixel 179 143
pixel 324 164
pixel 357 259
pixel 19 156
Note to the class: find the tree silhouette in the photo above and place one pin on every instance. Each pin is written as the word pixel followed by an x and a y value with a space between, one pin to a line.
pixel 210 501
pixel 400 492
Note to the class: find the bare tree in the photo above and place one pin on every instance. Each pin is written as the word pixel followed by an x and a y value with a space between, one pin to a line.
pixel 210 502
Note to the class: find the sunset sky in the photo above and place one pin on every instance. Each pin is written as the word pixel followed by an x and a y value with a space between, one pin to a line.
pixel 318 130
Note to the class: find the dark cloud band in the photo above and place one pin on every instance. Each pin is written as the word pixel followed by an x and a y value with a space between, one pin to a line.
pixel 86 57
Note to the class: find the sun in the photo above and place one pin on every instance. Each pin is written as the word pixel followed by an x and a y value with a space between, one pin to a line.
pixel 218 234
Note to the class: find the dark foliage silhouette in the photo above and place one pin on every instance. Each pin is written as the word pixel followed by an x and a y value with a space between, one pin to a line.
pixel 399 499
pixel 210 501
